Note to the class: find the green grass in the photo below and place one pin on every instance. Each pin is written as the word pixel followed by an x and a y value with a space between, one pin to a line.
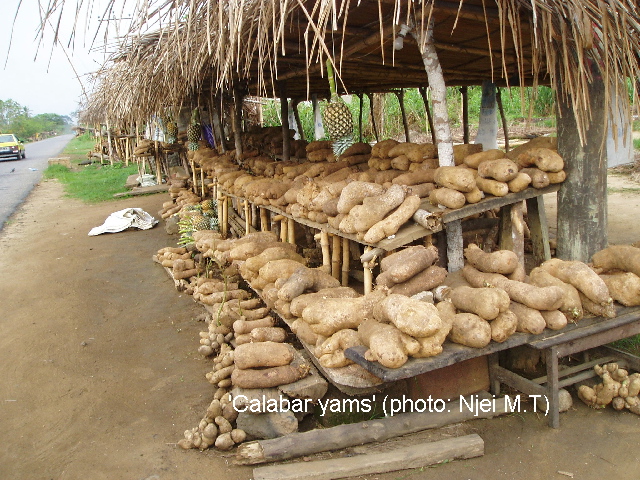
pixel 630 345
pixel 92 184
pixel 636 144
pixel 78 147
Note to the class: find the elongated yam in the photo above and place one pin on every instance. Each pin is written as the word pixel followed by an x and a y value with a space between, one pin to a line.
pixel 355 192
pixel 275 269
pixel 303 331
pixel 474 196
pixel 448 198
pixel 539 179
pixel 245 326
pixel 391 224
pixel 492 187
pixel 430 346
pixel 428 279
pixel 268 334
pixel 299 303
pixel 501 261
pixel 571 304
pixel 504 326
pixel 555 319
pixel 502 170
pixel 374 209
pixel 406 263
pixel 305 279
pixel 539 298
pixel 284 250
pixel 476 159
pixel 557 177
pixel 487 303
pixel 413 317
pixel 618 257
pixel 470 330
pixel 580 276
pixel 456 178
pixel 414 178
pixel 530 320
pixel 263 354
pixel 606 311
pixel 333 314
pixel 624 288
pixel 267 377
pixel 545 159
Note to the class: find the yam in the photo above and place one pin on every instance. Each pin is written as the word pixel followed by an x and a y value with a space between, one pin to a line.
pixel 428 279
pixel 330 353
pixel 539 179
pixel 392 223
pixel 262 354
pixel 618 257
pixel 519 183
pixel 470 330
pixel 624 288
pixel 545 159
pixel 386 344
pixel 332 314
pixel 355 192
pixel 504 326
pixel 474 196
pixel 492 187
pixel 539 298
pixel 530 320
pixel 456 178
pixel 502 170
pixel 267 377
pixel 414 178
pixel 448 198
pixel 305 279
pixel 374 209
pixel 268 334
pixel 555 319
pixel 476 159
pixel 430 346
pixel 571 304
pixel 501 261
pixel 299 303
pixel 487 303
pixel 413 317
pixel 580 276
pixel 303 331
pixel 406 263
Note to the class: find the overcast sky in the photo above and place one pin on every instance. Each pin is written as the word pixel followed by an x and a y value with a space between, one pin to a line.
pixel 42 79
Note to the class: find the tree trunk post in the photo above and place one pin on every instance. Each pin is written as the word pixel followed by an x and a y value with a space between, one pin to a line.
pixel 582 198
pixel 284 114
pixel 505 129
pixel 403 112
pixel 488 123
pixel 373 117
pixel 443 135
pixel 237 122
pixel 360 117
pixel 217 127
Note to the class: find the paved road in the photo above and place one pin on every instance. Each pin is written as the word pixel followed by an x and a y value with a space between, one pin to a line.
pixel 18 177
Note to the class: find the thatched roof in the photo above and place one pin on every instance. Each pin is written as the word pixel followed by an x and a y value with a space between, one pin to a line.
pixel 200 48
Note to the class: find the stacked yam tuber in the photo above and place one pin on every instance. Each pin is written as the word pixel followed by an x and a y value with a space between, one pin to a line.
pixel 620 270
pixel 618 388
pixel 411 271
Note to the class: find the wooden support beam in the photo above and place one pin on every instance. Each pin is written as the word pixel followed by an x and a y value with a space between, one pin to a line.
pixel 505 128
pixel 403 112
pixel 335 256
pixel 324 245
pixel 284 113
pixel 425 100
pixel 360 117
pixel 264 219
pixel 465 114
pixel 582 198
pixel 236 120
pixel 408 457
pixel 291 231
pixel 346 250
pixel 373 118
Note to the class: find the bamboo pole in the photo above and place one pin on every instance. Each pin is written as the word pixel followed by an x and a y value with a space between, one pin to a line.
pixel 335 256
pixel 202 189
pixel 254 216
pixel 345 262
pixel 264 220
pixel 225 215
pixel 373 118
pixel 405 123
pixel 247 218
pixel 291 231
pixel 194 187
pixel 109 144
pixel 157 160
pixel 236 121
pixel 127 150
pixel 505 130
pixel 465 114
pixel 425 100
pixel 284 234
pixel 324 244
pixel 368 273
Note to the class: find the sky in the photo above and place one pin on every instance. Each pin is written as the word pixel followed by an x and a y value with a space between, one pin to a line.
pixel 42 79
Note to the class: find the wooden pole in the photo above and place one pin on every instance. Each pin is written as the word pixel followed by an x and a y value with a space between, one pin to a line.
pixel 236 120
pixel 368 273
pixel 99 129
pixel 505 130
pixel 360 116
pixel 225 215
pixel 345 262
pixel 582 198
pixel 405 123
pixel 247 218
pixel 335 256
pixel 291 231
pixel 425 100
pixel 217 126
pixel 373 118
pixel 202 187
pixel 158 163
pixel 284 230
pixel 465 113
pixel 254 216
pixel 284 113
pixel 194 178
pixel 110 146
pixel 326 256
pixel 264 220
pixel 296 115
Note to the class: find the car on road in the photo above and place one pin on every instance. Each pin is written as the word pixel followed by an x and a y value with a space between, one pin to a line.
pixel 11 146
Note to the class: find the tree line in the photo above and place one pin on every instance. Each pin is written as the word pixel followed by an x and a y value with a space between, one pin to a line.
pixel 16 119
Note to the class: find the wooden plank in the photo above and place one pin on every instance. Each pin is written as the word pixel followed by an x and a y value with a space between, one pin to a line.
pixel 453 353
pixel 299 444
pixel 565 372
pixel 516 381
pixel 413 456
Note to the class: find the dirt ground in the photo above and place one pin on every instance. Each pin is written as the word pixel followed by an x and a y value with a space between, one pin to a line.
pixel 101 374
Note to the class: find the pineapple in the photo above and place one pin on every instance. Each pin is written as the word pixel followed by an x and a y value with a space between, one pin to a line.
pixel 200 222
pixel 194 131
pixel 337 118
pixel 172 129
pixel 208 205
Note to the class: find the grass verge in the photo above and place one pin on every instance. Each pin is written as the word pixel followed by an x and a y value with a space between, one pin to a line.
pixel 92 183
